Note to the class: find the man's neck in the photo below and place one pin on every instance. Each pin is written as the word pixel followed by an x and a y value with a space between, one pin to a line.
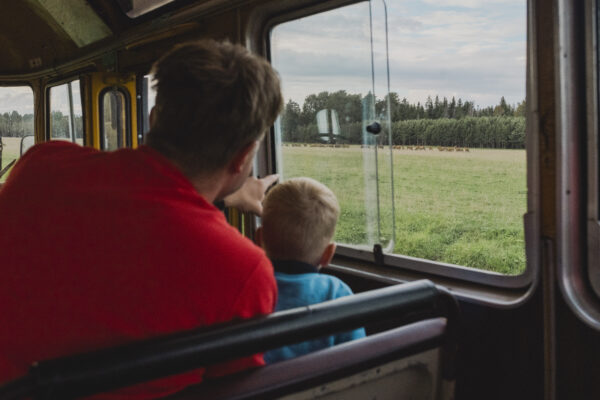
pixel 210 186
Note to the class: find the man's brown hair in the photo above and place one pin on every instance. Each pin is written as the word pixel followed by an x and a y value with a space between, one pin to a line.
pixel 213 99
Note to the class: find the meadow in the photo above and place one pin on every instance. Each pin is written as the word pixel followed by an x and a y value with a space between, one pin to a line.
pixel 463 208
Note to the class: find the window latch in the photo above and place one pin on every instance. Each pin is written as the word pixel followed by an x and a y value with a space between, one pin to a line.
pixel 378 254
pixel 374 128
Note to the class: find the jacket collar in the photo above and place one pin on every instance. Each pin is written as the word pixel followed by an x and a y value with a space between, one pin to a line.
pixel 294 267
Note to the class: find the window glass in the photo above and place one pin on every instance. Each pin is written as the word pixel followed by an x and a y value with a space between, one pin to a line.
pixel 457 108
pixel 113 126
pixel 66 121
pixel 16 124
pixel 148 101
pixel 340 118
pixel 135 8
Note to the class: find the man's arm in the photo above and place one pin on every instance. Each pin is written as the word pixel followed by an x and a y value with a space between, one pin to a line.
pixel 249 197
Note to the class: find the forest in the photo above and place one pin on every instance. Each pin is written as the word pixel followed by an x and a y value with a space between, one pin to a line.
pixel 437 122
pixel 14 124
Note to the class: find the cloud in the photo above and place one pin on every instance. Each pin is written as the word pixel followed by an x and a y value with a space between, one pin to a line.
pixel 475 50
pixel 18 99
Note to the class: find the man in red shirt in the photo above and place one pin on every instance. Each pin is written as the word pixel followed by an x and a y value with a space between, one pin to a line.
pixel 99 249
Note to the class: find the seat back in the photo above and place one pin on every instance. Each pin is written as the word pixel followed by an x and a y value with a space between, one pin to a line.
pixel 403 363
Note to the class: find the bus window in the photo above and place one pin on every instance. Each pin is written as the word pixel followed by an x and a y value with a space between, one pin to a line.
pixel 16 124
pixel 66 121
pixel 114 121
pixel 338 118
pixel 457 105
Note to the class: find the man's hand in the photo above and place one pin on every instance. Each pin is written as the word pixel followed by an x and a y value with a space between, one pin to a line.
pixel 249 197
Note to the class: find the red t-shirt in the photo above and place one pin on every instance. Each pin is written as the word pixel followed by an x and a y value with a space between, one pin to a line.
pixel 99 249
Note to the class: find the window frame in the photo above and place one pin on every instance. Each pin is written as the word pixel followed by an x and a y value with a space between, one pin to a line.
pixel 127 134
pixel 577 208
pixel 593 146
pixel 258 41
pixel 48 110
pixel 143 113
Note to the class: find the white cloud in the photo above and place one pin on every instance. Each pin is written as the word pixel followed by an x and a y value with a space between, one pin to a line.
pixel 18 99
pixel 475 50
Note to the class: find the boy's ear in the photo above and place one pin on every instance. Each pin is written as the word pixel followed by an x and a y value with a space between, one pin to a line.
pixel 258 236
pixel 327 255
pixel 240 159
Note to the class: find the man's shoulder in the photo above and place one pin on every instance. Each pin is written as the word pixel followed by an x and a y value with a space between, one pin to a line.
pixel 55 149
pixel 218 241
pixel 239 246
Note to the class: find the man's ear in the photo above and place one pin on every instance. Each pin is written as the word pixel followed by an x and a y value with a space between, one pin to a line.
pixel 240 158
pixel 327 255
pixel 152 116
pixel 258 236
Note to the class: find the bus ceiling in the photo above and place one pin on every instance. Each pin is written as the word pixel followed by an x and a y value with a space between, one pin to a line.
pixel 57 34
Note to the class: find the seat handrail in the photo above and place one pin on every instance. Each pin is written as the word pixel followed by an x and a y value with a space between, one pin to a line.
pixel 125 365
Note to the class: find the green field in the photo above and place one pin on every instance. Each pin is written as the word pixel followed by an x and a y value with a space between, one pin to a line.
pixel 463 208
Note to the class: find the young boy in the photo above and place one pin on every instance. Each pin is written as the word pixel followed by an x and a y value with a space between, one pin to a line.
pixel 298 224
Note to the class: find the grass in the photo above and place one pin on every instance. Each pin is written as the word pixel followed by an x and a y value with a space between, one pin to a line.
pixel 454 207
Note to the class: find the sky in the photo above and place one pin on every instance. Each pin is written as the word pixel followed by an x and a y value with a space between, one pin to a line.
pixel 472 49
pixel 20 99
pixel 16 98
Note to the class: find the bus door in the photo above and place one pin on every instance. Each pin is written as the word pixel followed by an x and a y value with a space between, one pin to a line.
pixel 110 103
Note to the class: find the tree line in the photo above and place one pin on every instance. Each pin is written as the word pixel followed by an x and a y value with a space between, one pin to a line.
pixel 437 122
pixel 14 124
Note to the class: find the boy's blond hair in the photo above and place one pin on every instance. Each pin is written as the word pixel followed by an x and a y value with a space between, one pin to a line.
pixel 299 218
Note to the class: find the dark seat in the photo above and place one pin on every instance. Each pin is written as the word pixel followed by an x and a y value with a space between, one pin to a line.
pixel 399 356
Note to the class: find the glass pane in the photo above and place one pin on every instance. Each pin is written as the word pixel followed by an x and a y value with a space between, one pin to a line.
pixel 66 121
pixel 457 123
pixel 148 101
pixel 113 127
pixel 322 132
pixel 458 111
pixel 16 122
pixel 380 186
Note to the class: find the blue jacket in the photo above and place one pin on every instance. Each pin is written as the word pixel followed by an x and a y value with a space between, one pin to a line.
pixel 299 284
